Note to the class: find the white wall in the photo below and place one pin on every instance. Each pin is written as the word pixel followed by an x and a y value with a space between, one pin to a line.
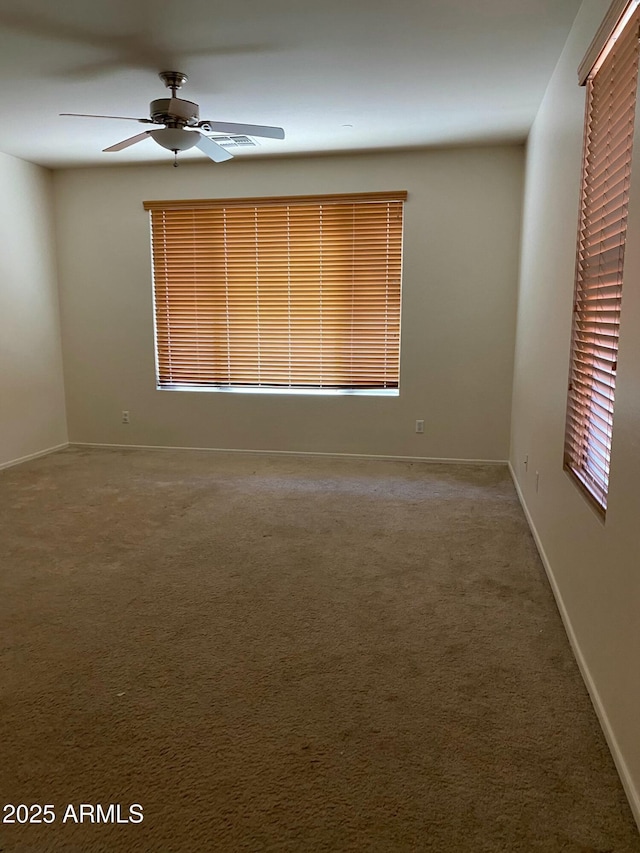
pixel 462 230
pixel 594 566
pixel 32 406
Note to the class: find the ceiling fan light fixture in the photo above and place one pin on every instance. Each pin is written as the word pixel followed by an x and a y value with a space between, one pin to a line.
pixel 175 139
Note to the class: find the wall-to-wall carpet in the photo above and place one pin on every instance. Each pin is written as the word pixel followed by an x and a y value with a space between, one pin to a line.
pixel 272 653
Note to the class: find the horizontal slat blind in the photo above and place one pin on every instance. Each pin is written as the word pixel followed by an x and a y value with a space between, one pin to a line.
pixel 611 98
pixel 278 292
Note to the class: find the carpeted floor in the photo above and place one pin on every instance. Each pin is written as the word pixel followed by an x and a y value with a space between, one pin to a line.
pixel 288 654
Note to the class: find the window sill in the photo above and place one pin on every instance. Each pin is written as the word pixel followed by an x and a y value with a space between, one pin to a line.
pixel 302 392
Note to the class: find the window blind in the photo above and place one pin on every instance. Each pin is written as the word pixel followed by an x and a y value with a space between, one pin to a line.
pixel 609 125
pixel 296 292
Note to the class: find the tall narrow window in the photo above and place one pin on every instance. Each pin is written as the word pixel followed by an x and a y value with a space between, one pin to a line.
pixel 611 99
pixel 296 293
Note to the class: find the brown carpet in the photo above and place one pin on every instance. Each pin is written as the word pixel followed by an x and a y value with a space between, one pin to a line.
pixel 289 654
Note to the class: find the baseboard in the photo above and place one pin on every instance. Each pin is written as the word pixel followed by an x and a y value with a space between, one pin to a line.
pixel 633 795
pixel 37 455
pixel 439 460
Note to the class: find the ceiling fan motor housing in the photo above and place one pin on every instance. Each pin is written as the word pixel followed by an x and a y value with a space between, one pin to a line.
pixel 159 111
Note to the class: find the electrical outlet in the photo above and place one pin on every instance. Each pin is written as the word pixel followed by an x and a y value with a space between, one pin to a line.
pixel 420 426
pixel 125 417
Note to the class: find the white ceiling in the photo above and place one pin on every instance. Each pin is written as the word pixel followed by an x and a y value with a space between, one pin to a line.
pixel 338 75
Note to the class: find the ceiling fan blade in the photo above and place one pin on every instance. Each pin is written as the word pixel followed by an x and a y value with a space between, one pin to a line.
pixel 242 129
pixel 216 152
pixel 122 118
pixel 127 142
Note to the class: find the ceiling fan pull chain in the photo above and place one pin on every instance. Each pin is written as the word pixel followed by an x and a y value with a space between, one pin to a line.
pixel 175 157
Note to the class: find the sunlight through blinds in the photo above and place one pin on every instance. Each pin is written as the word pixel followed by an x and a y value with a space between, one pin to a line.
pixel 611 100
pixel 299 292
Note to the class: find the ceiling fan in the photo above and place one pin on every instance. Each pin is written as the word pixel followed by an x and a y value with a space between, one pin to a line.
pixel 181 125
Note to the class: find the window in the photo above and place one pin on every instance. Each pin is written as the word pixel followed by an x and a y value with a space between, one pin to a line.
pixel 611 74
pixel 278 294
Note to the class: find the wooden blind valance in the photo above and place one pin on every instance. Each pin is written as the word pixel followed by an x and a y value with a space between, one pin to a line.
pixel 614 21
pixel 261 201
